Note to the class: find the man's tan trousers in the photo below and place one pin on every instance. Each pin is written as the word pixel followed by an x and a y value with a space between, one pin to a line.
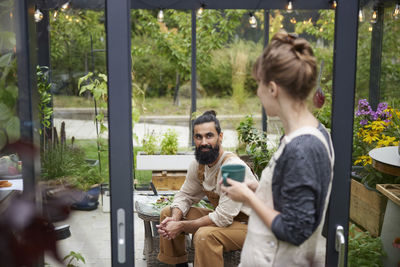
pixel 209 241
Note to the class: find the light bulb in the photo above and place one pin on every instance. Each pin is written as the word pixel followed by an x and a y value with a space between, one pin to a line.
pixel 360 15
pixel 293 20
pixel 334 4
pixel 55 15
pixel 160 16
pixel 253 21
pixel 38 16
pixel 200 11
pixel 396 11
pixel 65 6
pixel 289 7
pixel 374 17
pixel 370 28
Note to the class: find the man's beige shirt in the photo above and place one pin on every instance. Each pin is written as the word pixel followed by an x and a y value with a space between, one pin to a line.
pixel 192 192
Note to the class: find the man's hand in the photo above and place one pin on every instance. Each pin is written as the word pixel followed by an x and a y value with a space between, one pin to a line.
pixel 176 216
pixel 173 229
pixel 161 227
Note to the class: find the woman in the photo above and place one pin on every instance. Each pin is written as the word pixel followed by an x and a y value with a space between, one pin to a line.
pixel 289 204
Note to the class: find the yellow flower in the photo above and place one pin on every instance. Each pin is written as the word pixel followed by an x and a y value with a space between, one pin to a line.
pixel 370 137
pixel 385 141
pixel 378 125
pixel 364 160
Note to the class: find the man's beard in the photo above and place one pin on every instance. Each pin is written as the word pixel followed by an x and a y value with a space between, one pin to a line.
pixel 207 157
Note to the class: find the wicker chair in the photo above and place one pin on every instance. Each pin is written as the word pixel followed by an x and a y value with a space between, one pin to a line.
pixel 152 240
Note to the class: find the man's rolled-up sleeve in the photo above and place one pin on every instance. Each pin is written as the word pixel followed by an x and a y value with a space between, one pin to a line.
pixel 226 210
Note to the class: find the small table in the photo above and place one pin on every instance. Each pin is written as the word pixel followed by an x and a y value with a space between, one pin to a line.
pixel 386 160
pixel 150 216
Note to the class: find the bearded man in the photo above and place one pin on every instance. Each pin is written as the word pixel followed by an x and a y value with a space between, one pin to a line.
pixel 223 229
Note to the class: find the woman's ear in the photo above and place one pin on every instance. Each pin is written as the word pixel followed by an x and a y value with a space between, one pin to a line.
pixel 273 88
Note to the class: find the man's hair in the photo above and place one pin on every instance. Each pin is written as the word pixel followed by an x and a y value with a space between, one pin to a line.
pixel 208 116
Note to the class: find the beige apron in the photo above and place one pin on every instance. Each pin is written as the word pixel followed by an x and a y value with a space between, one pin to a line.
pixel 211 195
pixel 261 247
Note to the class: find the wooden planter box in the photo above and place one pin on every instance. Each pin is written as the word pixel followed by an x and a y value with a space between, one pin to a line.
pixel 367 208
pixel 168 171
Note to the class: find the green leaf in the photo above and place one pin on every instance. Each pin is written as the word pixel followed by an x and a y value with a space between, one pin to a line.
pixel 5 60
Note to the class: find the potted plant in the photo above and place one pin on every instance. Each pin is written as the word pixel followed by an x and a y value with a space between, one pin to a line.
pixel 372 129
pixel 168 166
pixel 167 159
pixel 255 144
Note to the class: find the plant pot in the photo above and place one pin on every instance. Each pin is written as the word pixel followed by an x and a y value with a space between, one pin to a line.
pixel 168 171
pixel 178 162
pixel 367 208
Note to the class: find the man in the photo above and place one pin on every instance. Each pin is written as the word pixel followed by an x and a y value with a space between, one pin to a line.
pixel 223 229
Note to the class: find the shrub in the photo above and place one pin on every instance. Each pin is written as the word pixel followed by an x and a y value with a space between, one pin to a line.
pixel 169 143
pixel 149 143
pixel 255 142
pixel 363 249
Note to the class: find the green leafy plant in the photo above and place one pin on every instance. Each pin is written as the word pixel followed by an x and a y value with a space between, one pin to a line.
pixel 66 164
pixel 255 142
pixel 44 105
pixel 149 143
pixel 363 249
pixel 169 143
pixel 74 258
pixel 163 201
pixel 324 114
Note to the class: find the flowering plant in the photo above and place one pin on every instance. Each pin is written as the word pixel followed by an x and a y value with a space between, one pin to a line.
pixel 374 129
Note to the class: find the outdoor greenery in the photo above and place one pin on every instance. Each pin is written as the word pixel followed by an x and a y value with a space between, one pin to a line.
pixel 9 121
pixel 63 162
pixel 255 143
pixel 149 143
pixel 44 106
pixel 169 143
pixel 363 249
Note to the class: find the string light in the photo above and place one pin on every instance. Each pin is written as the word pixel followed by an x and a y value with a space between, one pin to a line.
pixel 38 16
pixel 65 6
pixel 160 16
pixel 200 11
pixel 334 4
pixel 396 11
pixel 370 28
pixel 289 7
pixel 360 15
pixel 374 17
pixel 55 15
pixel 252 20
pixel 293 20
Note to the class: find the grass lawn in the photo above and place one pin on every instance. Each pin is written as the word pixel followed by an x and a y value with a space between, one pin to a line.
pixel 164 105
pixel 143 178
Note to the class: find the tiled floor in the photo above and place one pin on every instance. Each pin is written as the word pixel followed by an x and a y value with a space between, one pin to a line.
pixel 90 236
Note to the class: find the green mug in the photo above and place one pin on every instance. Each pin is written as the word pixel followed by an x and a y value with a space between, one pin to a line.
pixel 233 171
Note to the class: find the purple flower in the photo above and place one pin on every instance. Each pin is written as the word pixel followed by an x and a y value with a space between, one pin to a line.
pixel 374 115
pixel 363 107
pixel 363 122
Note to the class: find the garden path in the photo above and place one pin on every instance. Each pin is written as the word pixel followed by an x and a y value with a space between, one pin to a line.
pixel 85 129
